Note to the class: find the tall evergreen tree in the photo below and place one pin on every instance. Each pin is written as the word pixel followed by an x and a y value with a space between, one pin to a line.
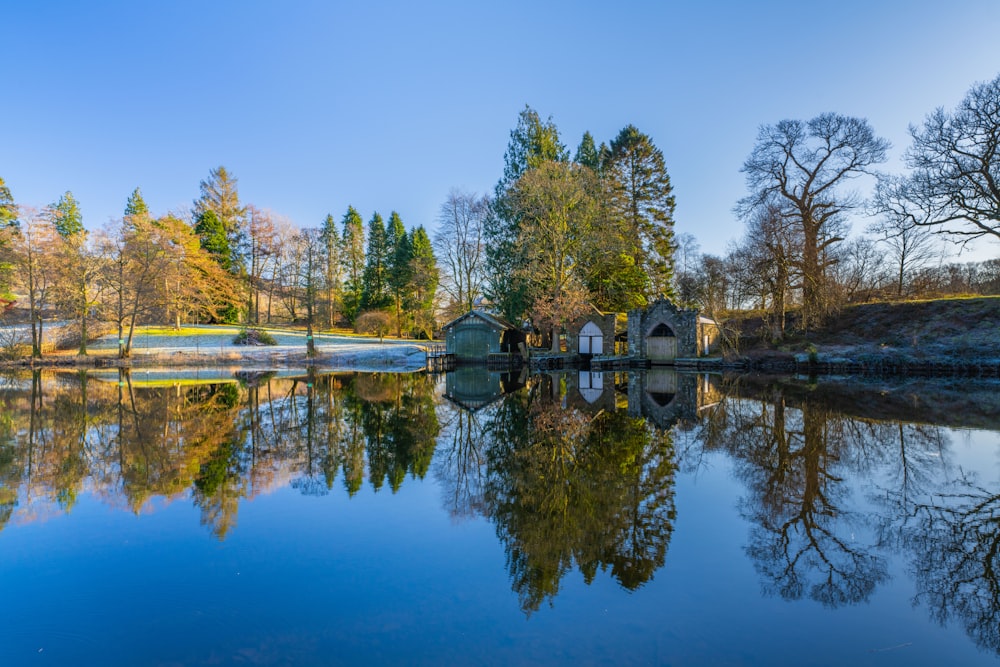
pixel 353 261
pixel 374 281
pixel 330 242
pixel 399 269
pixel 66 216
pixel 220 195
pixel 423 283
pixel 136 205
pixel 587 155
pixel 641 195
pixel 214 240
pixel 532 143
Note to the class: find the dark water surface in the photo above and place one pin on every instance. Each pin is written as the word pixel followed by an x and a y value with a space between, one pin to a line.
pixel 645 518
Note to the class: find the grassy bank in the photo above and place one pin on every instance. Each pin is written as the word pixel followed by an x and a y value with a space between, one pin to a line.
pixel 934 337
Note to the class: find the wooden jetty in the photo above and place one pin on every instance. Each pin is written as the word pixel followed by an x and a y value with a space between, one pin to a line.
pixel 438 360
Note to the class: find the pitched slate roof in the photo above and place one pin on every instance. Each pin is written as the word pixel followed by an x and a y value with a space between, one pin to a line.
pixel 492 320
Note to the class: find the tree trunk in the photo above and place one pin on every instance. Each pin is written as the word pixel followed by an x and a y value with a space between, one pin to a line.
pixel 83 334
pixel 811 279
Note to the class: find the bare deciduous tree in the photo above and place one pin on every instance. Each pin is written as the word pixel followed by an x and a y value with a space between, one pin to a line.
pixel 461 253
pixel 955 158
pixel 911 246
pixel 801 167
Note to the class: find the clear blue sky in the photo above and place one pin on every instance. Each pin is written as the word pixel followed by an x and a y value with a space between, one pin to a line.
pixel 388 105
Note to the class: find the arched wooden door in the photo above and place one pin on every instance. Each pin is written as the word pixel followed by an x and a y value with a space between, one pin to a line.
pixel 661 344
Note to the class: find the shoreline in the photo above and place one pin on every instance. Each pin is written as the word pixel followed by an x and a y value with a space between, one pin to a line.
pixel 761 362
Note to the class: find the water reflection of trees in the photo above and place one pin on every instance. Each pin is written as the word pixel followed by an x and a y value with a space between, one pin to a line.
pixel 800 460
pixel 954 538
pixel 564 488
pixel 831 496
pixel 129 442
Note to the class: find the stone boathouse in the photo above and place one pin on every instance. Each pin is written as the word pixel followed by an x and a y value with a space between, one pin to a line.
pixel 662 333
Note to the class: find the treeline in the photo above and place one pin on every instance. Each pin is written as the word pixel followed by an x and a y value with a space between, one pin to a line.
pixel 796 251
pixel 228 262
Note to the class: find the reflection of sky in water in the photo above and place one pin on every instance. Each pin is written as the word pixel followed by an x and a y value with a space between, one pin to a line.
pixel 395 577
pixel 978 451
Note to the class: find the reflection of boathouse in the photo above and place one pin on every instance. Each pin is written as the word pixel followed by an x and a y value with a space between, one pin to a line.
pixel 478 337
pixel 474 387
pixel 665 397
pixel 661 395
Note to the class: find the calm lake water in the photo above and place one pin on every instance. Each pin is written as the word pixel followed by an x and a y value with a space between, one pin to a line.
pixel 206 518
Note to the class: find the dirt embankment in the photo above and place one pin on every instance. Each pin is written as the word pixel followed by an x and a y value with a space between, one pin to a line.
pixel 943 336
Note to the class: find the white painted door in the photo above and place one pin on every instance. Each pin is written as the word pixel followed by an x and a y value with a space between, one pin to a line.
pixel 591 339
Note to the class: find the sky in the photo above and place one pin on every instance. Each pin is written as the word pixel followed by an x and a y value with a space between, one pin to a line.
pixel 386 106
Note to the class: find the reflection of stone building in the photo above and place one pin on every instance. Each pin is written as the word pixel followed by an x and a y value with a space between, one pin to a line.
pixel 665 397
pixel 662 333
pixel 593 391
pixel 473 387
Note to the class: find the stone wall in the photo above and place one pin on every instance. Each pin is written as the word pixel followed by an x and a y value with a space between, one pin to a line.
pixel 606 323
pixel 683 322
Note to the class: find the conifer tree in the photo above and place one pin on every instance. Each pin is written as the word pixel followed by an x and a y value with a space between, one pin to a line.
pixel 374 280
pixel 66 216
pixel 587 155
pixel 423 282
pixel 215 242
pixel 136 205
pixel 219 194
pixel 77 267
pixel 642 197
pixel 353 261
pixel 330 242
pixel 212 233
pixel 398 273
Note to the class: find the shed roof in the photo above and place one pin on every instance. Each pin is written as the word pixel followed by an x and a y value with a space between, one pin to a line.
pixel 492 320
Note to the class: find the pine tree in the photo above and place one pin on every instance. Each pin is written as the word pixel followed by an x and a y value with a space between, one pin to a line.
pixel 398 274
pixel 212 233
pixel 641 195
pixel 587 155
pixel 374 283
pixel 219 194
pixel 136 205
pixel 215 242
pixel 330 242
pixel 423 282
pixel 66 216
pixel 353 261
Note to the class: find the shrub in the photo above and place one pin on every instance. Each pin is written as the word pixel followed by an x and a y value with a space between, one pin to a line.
pixel 374 322
pixel 254 337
